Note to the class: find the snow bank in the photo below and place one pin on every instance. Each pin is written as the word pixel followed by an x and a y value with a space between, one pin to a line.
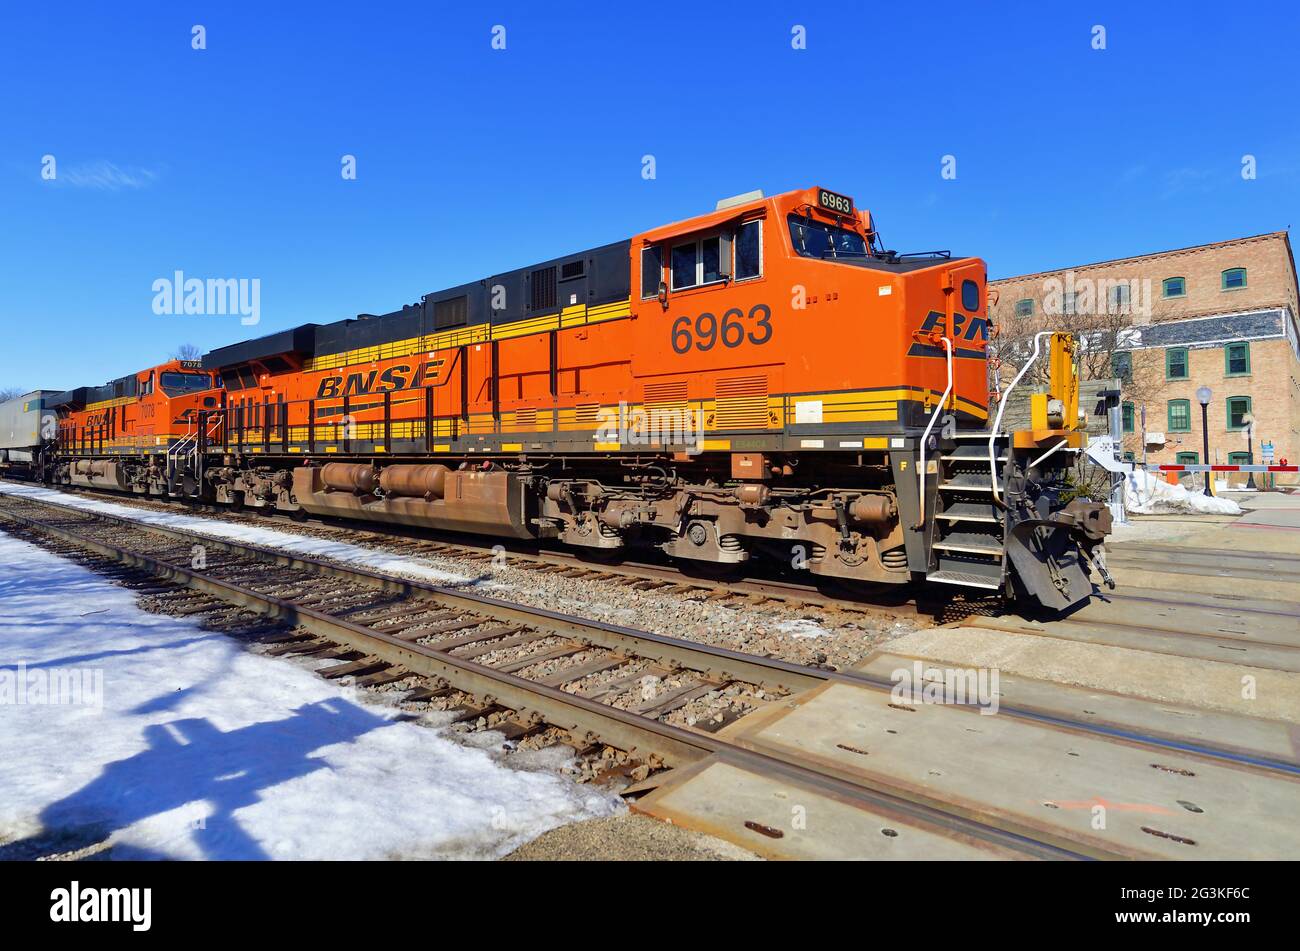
pixel 1148 494
pixel 266 537
pixel 191 747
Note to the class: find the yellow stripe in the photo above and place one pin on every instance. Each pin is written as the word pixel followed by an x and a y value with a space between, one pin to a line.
pixel 572 316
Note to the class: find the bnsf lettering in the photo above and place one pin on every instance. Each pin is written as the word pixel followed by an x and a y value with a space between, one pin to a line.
pixel 973 326
pixel 396 377
pixel 705 331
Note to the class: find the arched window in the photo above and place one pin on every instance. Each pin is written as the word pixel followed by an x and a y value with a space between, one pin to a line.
pixel 1234 278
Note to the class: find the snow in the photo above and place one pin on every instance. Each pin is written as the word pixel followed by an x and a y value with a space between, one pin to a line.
pixel 266 537
pixel 1149 494
pixel 802 628
pixel 193 747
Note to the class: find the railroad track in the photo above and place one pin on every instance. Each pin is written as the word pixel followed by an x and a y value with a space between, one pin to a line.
pixel 606 691
pixel 1259 566
pixel 891 600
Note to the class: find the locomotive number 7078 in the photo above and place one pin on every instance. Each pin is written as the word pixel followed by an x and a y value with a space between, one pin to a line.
pixel 706 330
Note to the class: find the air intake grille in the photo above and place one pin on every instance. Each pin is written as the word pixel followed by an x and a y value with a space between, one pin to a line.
pixel 742 403
pixel 452 312
pixel 541 289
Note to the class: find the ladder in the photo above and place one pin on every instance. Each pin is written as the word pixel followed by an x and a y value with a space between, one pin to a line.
pixel 968 530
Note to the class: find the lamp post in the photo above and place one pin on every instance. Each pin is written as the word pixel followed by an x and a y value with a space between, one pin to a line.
pixel 1203 395
pixel 1250 448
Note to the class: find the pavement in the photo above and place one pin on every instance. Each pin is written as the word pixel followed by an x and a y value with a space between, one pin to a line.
pixel 1172 705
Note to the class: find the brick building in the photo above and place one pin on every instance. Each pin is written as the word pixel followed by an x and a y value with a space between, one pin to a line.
pixel 1219 315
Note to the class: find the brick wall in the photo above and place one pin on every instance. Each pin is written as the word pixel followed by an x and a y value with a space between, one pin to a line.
pixel 1204 320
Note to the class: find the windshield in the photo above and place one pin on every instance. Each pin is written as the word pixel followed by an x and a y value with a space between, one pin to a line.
pixel 812 239
pixel 177 384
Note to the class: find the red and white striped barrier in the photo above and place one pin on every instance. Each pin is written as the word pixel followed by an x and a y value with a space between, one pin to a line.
pixel 1227 468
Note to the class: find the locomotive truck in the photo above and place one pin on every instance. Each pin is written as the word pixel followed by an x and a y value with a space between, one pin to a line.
pixel 764 382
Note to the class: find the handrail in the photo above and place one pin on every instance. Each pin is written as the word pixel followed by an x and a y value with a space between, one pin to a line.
pixel 1002 406
pixel 925 437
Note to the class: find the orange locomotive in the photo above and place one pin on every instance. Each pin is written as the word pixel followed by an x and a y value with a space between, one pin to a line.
pixel 761 382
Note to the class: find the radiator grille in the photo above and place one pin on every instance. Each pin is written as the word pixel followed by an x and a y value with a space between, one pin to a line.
pixel 666 396
pixel 741 403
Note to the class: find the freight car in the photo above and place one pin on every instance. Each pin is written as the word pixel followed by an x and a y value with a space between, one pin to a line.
pixel 765 381
pixel 25 431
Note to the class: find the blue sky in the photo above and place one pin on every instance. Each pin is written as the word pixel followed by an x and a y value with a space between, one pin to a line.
pixel 225 162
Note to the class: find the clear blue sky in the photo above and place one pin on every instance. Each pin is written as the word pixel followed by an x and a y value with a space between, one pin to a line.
pixel 225 162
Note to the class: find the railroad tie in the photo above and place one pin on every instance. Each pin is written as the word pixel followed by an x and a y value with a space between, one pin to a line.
pixel 563 650
pixel 478 650
pixel 623 682
pixel 365 665
pixel 578 671
pixel 667 703
pixel 390 676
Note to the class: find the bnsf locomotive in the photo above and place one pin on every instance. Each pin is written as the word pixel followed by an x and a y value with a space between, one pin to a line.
pixel 764 382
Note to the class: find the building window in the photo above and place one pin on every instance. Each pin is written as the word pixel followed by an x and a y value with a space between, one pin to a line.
pixel 1234 278
pixel 1236 359
pixel 1175 287
pixel 1238 458
pixel 1238 410
pixel 652 268
pixel 1187 458
pixel 1024 307
pixel 1129 457
pixel 1180 416
pixel 1126 413
pixel 1176 366
pixel 1118 299
pixel 1121 365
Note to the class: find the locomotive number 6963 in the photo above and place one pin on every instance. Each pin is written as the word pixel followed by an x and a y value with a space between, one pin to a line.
pixel 705 331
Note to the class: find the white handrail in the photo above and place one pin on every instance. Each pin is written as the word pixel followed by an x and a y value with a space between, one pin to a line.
pixel 1002 405
pixel 925 437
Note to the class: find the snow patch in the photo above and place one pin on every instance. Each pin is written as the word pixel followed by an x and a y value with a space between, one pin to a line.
pixel 250 534
pixel 202 749
pixel 802 628
pixel 1150 495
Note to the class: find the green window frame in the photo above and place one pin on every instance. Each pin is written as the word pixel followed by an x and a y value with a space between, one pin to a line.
pixel 1238 458
pixel 1130 457
pixel 1175 357
pixel 1025 307
pixel 1242 352
pixel 1126 414
pixel 1244 403
pixel 1187 459
pixel 1174 287
pixel 1179 415
pixel 1233 279
pixel 1121 365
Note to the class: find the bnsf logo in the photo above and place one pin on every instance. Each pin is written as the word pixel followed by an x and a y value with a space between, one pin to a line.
pixel 963 328
pixel 359 384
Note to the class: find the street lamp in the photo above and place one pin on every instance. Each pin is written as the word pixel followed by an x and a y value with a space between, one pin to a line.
pixel 1203 395
pixel 1249 420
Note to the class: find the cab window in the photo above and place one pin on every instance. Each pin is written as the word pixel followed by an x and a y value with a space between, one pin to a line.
pixel 813 239
pixel 652 267
pixel 749 250
pixel 177 384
